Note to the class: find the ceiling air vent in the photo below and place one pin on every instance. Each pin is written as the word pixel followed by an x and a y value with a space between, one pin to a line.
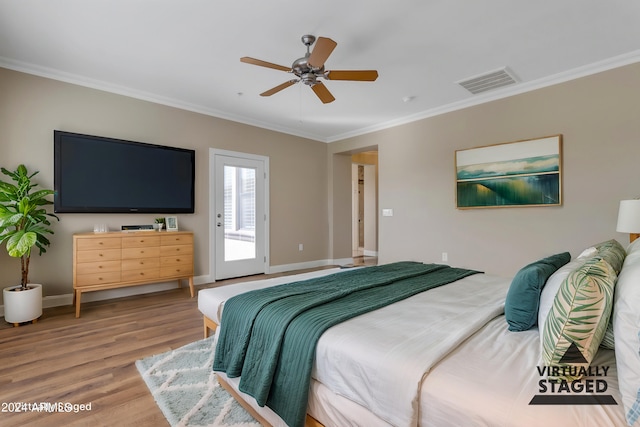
pixel 488 81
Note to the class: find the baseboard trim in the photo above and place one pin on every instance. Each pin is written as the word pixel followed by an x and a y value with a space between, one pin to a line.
pixel 308 264
pixel 67 299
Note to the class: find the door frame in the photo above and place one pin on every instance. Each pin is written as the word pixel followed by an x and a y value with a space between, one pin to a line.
pixel 213 152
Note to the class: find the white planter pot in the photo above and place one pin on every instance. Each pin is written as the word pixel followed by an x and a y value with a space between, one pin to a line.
pixel 22 306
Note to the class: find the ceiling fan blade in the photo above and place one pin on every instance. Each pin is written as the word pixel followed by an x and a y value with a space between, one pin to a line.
pixel 323 48
pixel 357 75
pixel 279 88
pixel 261 63
pixel 323 93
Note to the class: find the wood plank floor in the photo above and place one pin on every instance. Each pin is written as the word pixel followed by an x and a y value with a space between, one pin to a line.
pixel 90 360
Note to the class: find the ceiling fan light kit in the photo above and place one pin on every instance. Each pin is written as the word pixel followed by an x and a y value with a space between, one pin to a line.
pixel 310 68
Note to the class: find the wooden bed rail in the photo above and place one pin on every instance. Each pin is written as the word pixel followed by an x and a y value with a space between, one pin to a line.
pixel 209 325
pixel 310 421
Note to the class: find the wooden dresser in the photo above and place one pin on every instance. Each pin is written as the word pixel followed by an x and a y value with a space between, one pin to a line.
pixel 118 259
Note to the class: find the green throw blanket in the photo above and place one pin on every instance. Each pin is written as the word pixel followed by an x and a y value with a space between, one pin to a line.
pixel 268 337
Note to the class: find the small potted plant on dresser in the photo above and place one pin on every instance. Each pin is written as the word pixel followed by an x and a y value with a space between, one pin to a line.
pixel 24 223
pixel 159 224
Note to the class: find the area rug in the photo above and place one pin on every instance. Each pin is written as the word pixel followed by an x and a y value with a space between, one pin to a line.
pixel 186 390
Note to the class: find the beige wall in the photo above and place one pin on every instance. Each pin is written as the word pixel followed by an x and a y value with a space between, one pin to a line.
pixel 598 117
pixel 32 107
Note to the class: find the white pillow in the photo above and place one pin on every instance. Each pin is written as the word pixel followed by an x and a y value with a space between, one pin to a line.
pixel 588 253
pixel 550 290
pixel 626 328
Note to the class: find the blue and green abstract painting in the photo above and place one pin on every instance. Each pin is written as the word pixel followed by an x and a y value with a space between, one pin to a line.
pixel 518 182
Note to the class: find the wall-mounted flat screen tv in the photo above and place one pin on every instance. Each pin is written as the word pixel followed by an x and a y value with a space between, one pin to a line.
pixel 94 174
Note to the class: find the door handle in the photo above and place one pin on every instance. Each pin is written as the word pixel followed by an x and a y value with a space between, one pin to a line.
pixel 219 224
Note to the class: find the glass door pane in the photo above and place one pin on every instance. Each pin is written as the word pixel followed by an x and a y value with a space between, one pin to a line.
pixel 239 213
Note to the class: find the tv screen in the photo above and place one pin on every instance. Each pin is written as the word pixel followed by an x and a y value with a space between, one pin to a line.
pixel 94 174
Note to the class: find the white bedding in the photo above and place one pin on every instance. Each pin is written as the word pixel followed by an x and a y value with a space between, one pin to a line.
pixel 478 375
pixel 490 379
pixel 410 336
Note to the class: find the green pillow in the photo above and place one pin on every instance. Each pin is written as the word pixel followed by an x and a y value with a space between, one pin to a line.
pixel 523 297
pixel 578 318
pixel 612 252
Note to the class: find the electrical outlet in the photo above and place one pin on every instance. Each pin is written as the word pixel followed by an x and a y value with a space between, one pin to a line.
pixel 300 247
pixel 445 256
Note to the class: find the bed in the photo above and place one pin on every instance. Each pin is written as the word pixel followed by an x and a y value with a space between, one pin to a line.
pixel 447 356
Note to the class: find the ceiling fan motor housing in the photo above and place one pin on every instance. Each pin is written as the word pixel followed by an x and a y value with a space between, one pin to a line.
pixel 307 74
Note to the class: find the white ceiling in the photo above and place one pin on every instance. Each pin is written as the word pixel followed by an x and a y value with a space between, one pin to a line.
pixel 185 53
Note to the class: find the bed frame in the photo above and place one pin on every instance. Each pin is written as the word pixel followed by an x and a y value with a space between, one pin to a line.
pixel 211 326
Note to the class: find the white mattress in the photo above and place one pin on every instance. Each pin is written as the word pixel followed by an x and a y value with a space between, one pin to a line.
pixel 211 300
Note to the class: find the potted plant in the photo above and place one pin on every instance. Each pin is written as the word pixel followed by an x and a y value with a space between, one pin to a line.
pixel 159 224
pixel 24 223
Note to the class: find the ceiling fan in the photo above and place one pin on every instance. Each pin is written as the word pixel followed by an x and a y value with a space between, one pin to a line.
pixel 310 68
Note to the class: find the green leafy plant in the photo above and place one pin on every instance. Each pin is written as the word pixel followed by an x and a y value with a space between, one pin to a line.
pixel 159 220
pixel 24 220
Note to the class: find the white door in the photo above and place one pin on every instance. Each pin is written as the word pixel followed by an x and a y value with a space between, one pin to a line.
pixel 239 214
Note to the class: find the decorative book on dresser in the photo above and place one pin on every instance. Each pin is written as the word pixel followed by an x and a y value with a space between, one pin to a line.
pixel 114 260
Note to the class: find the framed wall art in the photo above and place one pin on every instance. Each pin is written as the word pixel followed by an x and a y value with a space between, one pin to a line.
pixel 513 174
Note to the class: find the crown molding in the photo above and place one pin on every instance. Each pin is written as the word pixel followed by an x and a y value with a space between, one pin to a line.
pixel 586 70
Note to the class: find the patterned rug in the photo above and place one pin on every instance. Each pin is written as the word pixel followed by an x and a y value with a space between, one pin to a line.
pixel 186 390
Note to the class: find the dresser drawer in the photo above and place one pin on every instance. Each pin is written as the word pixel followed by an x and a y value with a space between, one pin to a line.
pixel 96 278
pixel 97 267
pixel 176 270
pixel 176 250
pixel 98 255
pixel 144 274
pixel 140 263
pixel 150 252
pixel 168 239
pixel 93 244
pixel 183 259
pixel 140 241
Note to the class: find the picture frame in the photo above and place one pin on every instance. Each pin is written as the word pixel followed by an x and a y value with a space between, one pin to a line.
pixel 513 174
pixel 171 223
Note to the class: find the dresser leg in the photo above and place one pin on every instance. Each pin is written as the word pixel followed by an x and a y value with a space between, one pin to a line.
pixel 77 295
pixel 191 289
